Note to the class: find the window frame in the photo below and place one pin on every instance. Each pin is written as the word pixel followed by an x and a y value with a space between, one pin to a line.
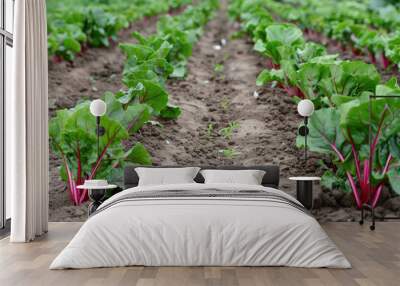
pixel 6 39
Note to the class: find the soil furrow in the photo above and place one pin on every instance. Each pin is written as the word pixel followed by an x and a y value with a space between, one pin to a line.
pixel 267 124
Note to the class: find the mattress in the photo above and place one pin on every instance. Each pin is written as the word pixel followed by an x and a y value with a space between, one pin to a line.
pixel 201 225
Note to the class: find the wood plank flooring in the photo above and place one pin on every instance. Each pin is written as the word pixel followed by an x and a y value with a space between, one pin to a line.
pixel 375 257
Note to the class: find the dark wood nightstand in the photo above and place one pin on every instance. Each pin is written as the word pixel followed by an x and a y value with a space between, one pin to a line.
pixel 304 190
pixel 96 195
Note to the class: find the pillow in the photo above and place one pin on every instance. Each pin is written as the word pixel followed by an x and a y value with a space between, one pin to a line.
pixel 248 177
pixel 166 176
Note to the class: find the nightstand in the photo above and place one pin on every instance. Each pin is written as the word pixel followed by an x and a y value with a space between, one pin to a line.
pixel 96 195
pixel 304 190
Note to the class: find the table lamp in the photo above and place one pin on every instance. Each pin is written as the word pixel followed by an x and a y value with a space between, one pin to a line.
pixel 305 108
pixel 98 108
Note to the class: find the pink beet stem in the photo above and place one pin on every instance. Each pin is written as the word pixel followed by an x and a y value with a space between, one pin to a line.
pixel 385 61
pixel 372 57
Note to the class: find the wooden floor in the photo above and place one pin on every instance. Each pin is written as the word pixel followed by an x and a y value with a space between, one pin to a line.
pixel 375 257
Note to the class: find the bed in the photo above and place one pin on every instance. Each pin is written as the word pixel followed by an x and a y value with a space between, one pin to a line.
pixel 198 224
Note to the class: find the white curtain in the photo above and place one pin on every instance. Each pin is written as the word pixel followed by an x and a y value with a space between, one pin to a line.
pixel 26 124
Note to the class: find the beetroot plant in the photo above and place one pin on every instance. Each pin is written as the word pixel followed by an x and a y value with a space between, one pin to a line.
pixel 73 138
pixel 367 163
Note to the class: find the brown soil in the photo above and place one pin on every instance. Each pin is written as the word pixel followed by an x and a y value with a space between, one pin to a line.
pixel 267 125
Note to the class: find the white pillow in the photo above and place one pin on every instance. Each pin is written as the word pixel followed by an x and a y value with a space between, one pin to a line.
pixel 248 177
pixel 166 176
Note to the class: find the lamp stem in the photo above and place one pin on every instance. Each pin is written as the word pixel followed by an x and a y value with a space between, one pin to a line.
pixel 98 135
pixel 305 139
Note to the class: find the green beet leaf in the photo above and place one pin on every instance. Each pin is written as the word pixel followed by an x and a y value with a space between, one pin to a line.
pixel 284 34
pixel 310 51
pixel 394 179
pixel 139 53
pixel 324 131
pixel 154 95
pixel 170 112
pixel 267 76
pixel 138 154
pixel 356 116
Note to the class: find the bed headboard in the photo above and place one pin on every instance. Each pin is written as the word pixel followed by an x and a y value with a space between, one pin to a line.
pixel 270 179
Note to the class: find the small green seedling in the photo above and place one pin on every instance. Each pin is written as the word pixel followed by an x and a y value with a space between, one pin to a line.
pixel 229 153
pixel 227 132
pixel 237 35
pixel 225 104
pixel 218 68
pixel 210 129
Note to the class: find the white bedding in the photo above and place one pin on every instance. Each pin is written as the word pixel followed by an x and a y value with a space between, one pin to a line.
pixel 200 231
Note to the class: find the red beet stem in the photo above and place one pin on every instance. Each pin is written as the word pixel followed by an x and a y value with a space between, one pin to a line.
pixel 385 61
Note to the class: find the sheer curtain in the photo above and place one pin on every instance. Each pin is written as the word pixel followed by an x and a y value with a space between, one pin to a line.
pixel 26 124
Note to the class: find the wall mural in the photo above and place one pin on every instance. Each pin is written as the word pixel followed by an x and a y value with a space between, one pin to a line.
pixel 216 83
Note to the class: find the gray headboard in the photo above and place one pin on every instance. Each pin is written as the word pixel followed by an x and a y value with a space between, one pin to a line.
pixel 271 177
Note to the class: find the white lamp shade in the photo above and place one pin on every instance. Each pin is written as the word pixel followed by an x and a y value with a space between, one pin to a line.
pixel 98 107
pixel 305 108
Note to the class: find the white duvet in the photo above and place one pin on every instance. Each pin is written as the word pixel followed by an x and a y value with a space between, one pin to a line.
pixel 200 231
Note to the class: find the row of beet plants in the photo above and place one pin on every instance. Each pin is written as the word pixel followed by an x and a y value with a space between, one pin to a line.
pixel 376 14
pixel 340 91
pixel 147 67
pixel 74 25
pixel 348 23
